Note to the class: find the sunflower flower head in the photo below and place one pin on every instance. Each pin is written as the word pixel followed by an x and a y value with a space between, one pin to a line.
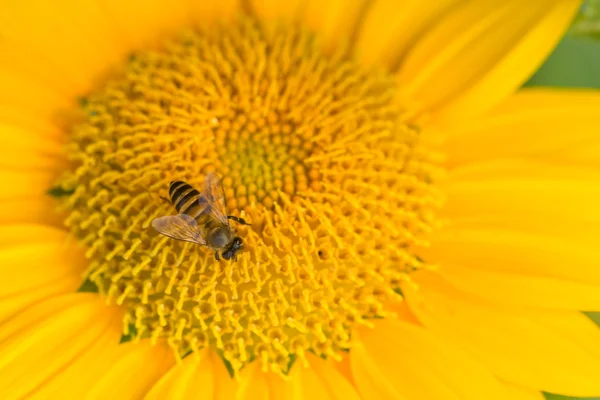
pixel 314 150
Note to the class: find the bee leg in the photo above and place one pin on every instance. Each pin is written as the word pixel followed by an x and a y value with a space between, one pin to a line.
pixel 238 219
pixel 217 256
pixel 165 199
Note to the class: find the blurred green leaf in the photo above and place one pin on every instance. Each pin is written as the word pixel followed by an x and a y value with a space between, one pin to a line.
pixel 559 397
pixel 132 333
pixel 59 191
pixel 574 63
pixel 88 286
pixel 587 22
pixel 594 316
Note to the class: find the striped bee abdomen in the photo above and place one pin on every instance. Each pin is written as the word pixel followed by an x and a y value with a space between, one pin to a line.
pixel 186 199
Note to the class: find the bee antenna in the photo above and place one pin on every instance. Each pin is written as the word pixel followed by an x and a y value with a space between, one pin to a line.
pixel 238 220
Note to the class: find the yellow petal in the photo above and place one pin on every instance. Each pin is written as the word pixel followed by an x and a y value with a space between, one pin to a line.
pixel 36 263
pixel 519 268
pixel 210 11
pixel 529 196
pixel 546 124
pixel 35 210
pixel 55 36
pixel 142 23
pixel 225 387
pixel 37 344
pixel 390 27
pixel 82 378
pixel 344 368
pixel 256 384
pixel 510 251
pixel 51 53
pixel 144 363
pixel 24 93
pixel 202 373
pixel 12 115
pixel 554 351
pixel 580 155
pixel 516 392
pixel 17 59
pixel 480 53
pixel 400 360
pixel 137 367
pixel 522 227
pixel 24 149
pixel 278 10
pixel 335 21
pixel 24 197
pixel 520 289
pixel 19 184
pixel 513 228
pixel 183 381
pixel 320 380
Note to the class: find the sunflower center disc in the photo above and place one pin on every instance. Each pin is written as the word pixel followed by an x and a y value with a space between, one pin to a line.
pixel 312 151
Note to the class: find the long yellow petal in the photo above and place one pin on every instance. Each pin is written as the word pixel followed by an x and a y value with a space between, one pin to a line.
pixel 509 251
pixel 24 149
pixel 320 380
pixel 141 23
pixel 184 381
pixel 480 53
pixel 24 93
pixel 400 360
pixel 335 21
pixel 24 184
pixel 203 373
pixel 552 351
pixel 533 291
pixel 543 124
pixel 525 195
pixel 513 227
pixel 18 118
pixel 516 392
pixel 213 10
pixel 55 36
pixel 519 268
pixel 81 378
pixel 52 52
pixel 390 27
pixel 131 375
pixel 36 262
pixel 36 210
pixel 37 344
pixel 278 10
pixel 343 366
pixel 256 384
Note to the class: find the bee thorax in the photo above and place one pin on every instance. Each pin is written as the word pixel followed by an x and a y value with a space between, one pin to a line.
pixel 219 237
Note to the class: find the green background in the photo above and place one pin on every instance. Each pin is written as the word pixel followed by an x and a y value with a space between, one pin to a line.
pixel 575 63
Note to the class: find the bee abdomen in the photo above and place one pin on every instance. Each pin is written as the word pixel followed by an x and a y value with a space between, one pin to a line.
pixel 182 195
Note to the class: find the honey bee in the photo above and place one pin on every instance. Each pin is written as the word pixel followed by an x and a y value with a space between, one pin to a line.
pixel 202 218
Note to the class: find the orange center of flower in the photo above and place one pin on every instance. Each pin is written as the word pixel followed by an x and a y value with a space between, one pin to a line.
pixel 311 150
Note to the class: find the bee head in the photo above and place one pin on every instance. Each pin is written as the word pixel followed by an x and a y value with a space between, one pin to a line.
pixel 235 247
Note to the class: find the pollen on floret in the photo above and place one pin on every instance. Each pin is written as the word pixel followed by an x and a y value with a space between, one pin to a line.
pixel 311 149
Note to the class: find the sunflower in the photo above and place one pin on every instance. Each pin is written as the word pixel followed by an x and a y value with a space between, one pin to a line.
pixel 419 227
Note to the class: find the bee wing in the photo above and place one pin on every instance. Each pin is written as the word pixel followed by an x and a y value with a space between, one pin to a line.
pixel 214 196
pixel 180 227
